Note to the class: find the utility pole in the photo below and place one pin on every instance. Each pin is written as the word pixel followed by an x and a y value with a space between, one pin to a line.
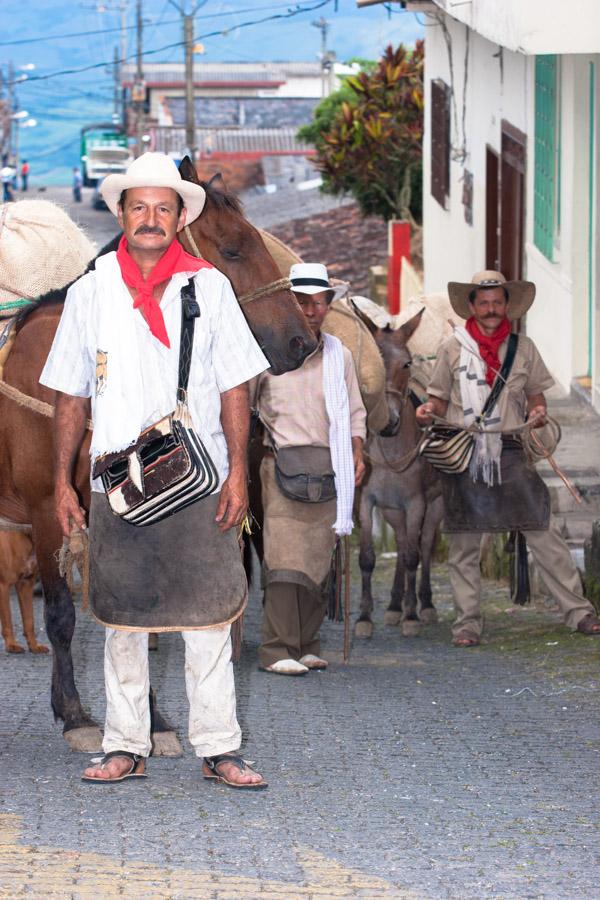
pixel 323 26
pixel 188 47
pixel 190 124
pixel 117 84
pixel 139 90
pixel 10 93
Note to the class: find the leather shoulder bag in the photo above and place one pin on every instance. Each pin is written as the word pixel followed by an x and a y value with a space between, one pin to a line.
pixel 305 474
pixel 449 450
pixel 168 467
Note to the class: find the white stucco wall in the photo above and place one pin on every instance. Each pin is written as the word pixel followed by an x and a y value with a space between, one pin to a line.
pixel 496 90
pixel 532 26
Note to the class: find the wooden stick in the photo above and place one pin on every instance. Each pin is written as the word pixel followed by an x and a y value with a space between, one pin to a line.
pixel 346 598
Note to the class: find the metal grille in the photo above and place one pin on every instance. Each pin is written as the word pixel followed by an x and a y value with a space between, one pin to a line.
pixel 440 141
pixel 546 144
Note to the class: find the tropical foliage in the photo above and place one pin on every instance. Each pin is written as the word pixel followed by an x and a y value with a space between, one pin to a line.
pixel 368 136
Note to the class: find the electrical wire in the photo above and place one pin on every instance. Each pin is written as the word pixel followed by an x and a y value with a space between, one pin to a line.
pixel 220 32
pixel 74 34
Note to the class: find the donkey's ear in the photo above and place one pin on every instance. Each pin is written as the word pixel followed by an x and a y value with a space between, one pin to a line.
pixel 408 329
pixel 369 323
pixel 187 170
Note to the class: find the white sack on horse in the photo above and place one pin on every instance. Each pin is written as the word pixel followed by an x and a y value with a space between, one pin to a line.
pixel 41 249
pixel 343 323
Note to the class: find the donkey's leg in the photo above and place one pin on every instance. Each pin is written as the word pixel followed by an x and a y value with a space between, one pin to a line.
pixel 366 561
pixel 80 730
pixel 433 516
pixel 414 524
pixel 397 519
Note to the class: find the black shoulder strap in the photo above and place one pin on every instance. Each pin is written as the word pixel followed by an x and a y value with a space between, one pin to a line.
pixel 190 311
pixel 501 378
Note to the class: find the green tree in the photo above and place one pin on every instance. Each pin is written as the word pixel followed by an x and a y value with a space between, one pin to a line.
pixel 369 136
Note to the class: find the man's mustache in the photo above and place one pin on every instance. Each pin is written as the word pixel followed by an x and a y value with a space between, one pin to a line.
pixel 149 229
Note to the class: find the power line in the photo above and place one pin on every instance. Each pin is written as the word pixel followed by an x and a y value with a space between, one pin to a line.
pixel 220 32
pixel 74 34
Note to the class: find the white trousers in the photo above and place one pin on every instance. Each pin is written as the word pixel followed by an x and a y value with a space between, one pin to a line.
pixel 209 682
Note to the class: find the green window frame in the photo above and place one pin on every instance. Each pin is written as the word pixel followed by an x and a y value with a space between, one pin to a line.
pixel 546 216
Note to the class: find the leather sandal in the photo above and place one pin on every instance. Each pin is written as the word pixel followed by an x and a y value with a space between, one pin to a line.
pixel 135 771
pixel 465 638
pixel 589 625
pixel 212 763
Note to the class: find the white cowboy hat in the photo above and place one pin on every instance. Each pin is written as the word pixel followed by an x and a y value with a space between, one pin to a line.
pixel 312 278
pixel 154 170
pixel 521 294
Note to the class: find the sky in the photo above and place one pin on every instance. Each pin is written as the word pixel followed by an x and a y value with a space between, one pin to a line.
pixel 62 104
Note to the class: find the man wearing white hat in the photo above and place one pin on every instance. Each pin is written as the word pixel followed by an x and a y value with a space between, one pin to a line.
pixel 500 490
pixel 314 422
pixel 119 342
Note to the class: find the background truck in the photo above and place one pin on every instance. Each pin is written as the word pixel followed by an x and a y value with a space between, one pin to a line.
pixel 104 151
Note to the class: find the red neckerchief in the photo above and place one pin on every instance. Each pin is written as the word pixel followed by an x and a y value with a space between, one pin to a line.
pixel 173 260
pixel 489 345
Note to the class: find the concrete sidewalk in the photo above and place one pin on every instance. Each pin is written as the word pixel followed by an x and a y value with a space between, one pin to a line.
pixel 578 455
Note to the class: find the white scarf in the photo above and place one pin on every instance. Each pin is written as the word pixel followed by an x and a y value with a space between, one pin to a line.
pixel 340 438
pixel 474 391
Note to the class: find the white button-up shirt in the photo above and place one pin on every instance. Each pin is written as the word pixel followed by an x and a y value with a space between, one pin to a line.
pixel 225 353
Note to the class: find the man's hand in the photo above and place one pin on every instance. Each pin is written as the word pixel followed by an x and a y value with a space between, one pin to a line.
pixel 233 501
pixel 68 510
pixel 539 414
pixel 433 407
pixel 424 414
pixel 359 463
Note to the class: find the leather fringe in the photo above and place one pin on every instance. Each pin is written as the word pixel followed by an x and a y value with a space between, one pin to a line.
pixel 75 553
pixel 237 638
pixel 520 585
pixel 334 585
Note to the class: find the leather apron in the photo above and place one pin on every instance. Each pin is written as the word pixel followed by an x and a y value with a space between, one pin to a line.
pixel 521 502
pixel 179 574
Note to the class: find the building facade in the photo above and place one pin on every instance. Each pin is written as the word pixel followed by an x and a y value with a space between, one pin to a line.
pixel 511 160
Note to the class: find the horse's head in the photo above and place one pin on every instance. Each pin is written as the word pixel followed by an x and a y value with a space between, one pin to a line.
pixel 227 240
pixel 397 359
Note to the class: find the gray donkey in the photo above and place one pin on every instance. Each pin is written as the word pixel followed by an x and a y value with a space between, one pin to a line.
pixel 405 488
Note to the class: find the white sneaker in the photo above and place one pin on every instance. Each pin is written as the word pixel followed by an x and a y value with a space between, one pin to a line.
pixel 286 667
pixel 313 662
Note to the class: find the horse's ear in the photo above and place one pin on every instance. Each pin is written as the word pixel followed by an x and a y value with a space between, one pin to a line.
pixel 218 181
pixel 187 170
pixel 369 323
pixel 408 329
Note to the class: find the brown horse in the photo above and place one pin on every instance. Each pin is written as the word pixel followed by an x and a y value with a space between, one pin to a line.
pixel 407 491
pixel 227 240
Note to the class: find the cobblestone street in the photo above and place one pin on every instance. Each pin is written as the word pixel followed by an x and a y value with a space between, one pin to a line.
pixel 418 770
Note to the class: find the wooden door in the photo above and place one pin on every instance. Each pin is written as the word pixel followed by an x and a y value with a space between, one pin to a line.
pixel 492 260
pixel 512 201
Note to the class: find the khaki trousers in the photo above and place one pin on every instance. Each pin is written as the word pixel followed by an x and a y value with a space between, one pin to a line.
pixel 552 558
pixel 213 726
pixel 291 620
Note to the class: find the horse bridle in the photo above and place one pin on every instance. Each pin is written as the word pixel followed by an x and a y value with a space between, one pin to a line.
pixel 280 284
pixel 393 426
